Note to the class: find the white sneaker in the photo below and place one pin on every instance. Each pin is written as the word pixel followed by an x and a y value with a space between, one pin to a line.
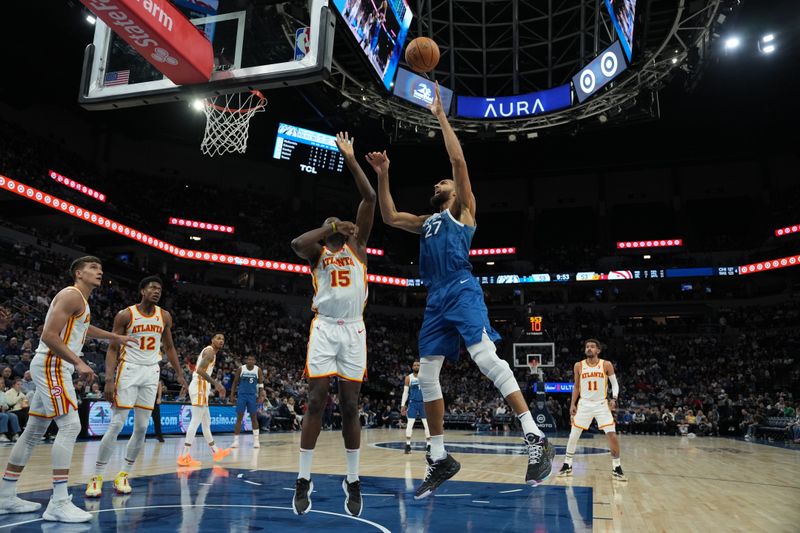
pixel 3 438
pixel 235 442
pixel 14 438
pixel 18 505
pixel 256 444
pixel 65 511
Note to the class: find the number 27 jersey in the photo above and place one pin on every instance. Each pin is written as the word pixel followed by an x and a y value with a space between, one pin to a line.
pixel 340 284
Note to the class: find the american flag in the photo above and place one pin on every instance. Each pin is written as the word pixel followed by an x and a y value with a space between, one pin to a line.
pixel 120 77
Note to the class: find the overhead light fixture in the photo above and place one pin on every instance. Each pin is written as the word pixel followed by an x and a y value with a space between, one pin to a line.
pixel 731 43
pixel 603 118
pixel 91 19
pixel 197 104
pixel 768 38
pixel 674 60
pixel 194 238
pixel 768 49
pixel 532 134
pixel 646 256
pixel 490 263
pixel 431 134
pixel 345 104
pixel 512 137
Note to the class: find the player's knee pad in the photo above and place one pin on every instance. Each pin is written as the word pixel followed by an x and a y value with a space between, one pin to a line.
pixel 485 356
pixel 429 368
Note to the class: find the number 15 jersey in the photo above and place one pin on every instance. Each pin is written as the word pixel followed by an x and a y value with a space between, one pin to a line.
pixel 340 284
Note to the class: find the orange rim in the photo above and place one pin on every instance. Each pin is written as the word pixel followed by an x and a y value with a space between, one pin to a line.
pixel 262 101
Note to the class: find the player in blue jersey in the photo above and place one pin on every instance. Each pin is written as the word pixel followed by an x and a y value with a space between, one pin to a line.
pixel 246 382
pixel 455 308
pixel 415 408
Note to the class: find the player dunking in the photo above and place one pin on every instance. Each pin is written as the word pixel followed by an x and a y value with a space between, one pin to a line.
pixel 337 341
pixel 455 307
pixel 66 326
pixel 198 394
pixel 415 409
pixel 246 384
pixel 591 376
pixel 132 383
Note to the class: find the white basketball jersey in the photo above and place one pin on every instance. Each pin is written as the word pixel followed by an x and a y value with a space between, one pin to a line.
pixel 74 332
pixel 340 284
pixel 147 330
pixel 593 382
pixel 209 369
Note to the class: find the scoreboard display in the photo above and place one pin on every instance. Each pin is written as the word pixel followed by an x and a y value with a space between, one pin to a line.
pixel 313 152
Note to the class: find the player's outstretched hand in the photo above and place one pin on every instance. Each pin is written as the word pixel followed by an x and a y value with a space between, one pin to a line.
pixel 404 411
pixel 108 391
pixel 124 340
pixel 573 410
pixel 379 161
pixel 436 107
pixel 345 144
pixel 348 229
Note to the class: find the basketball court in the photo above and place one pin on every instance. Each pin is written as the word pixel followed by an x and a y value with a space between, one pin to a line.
pixel 670 480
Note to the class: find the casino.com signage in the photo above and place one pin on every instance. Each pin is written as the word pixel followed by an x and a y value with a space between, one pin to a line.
pixel 521 105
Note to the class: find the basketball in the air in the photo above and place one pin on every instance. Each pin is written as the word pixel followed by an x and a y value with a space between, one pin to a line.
pixel 422 54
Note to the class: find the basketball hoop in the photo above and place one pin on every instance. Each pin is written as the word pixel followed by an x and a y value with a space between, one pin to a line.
pixel 534 365
pixel 228 121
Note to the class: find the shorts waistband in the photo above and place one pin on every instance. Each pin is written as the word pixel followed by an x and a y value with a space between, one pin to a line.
pixel 339 321
pixel 447 280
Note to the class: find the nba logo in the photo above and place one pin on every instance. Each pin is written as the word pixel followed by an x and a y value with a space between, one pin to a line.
pixel 302 43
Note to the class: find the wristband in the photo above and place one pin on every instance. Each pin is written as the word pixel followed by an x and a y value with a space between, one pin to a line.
pixel 333 226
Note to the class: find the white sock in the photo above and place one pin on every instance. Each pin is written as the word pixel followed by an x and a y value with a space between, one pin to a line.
pixel 255 433
pixel 306 457
pixel 528 425
pixel 437 448
pixel 568 460
pixel 352 464
pixel 8 487
pixel 615 462
pixel 60 487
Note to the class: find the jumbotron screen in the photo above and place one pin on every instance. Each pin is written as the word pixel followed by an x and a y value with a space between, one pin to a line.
pixel 622 15
pixel 380 28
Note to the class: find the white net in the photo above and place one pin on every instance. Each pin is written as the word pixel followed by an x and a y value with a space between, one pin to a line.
pixel 228 121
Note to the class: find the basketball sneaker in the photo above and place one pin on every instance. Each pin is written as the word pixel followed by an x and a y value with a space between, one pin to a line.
pixel 566 470
pixel 618 474
pixel 94 488
pixel 256 443
pixel 221 454
pixel 408 449
pixel 301 501
pixel 437 473
pixel 235 442
pixel 540 459
pixel 18 505
pixel 186 460
pixel 64 510
pixel 428 448
pixel 352 502
pixel 121 484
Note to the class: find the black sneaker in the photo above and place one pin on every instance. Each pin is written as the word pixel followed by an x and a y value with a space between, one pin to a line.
pixel 408 449
pixel 618 474
pixel 301 502
pixel 428 448
pixel 352 503
pixel 540 459
pixel 437 473
pixel 566 471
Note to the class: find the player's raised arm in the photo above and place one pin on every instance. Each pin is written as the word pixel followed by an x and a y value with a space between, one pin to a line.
pixel 460 175
pixel 366 209
pixel 169 348
pixel 69 304
pixel 379 161
pixel 307 245
pixel 121 322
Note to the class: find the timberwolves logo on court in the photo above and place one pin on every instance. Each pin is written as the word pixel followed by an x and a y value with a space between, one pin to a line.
pixel 99 417
pixel 184 417
pixel 490 448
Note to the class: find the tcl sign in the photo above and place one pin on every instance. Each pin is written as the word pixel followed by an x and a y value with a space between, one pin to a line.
pixel 160 34
pixel 308 168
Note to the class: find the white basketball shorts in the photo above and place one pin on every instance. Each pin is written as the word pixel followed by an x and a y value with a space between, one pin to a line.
pixel 337 347
pixel 136 385
pixel 594 410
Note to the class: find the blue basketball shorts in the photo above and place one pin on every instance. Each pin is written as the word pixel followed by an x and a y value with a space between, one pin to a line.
pixel 454 309
pixel 416 410
pixel 246 402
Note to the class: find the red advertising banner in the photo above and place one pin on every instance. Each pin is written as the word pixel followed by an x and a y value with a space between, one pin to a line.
pixel 161 34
